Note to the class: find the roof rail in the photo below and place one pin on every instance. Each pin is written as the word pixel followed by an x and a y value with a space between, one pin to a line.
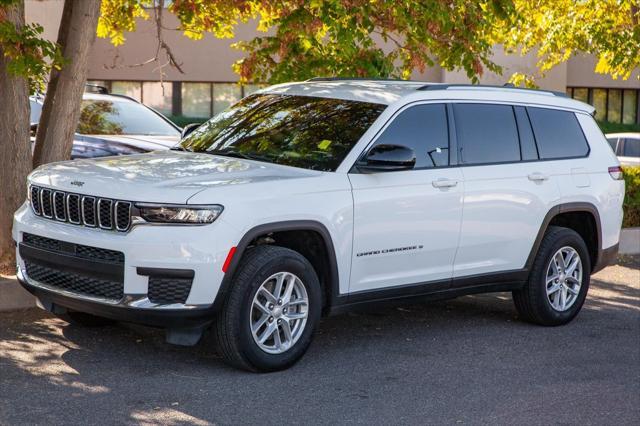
pixel 507 86
pixel 89 87
pixel 355 79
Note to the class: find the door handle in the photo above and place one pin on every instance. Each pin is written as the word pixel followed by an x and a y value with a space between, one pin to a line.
pixel 538 177
pixel 444 183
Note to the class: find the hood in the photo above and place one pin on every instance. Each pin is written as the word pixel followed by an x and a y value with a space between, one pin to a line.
pixel 145 142
pixel 161 176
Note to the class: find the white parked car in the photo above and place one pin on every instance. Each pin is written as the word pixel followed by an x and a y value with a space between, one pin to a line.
pixel 626 146
pixel 313 198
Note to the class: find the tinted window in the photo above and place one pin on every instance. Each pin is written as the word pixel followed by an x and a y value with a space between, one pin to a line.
pixel 613 142
pixel 424 129
pixel 527 142
pixel 486 133
pixel 558 133
pixel 631 148
pixel 121 117
pixel 299 131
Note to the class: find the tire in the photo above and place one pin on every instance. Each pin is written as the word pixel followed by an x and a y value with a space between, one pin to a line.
pixel 532 302
pixel 84 319
pixel 260 268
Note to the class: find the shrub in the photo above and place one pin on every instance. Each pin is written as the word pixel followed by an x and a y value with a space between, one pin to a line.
pixel 607 127
pixel 631 197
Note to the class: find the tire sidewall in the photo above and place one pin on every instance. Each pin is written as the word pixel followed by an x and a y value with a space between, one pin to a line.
pixel 573 240
pixel 302 269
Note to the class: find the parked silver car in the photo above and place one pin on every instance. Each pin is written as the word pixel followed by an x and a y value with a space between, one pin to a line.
pixel 114 125
pixel 626 146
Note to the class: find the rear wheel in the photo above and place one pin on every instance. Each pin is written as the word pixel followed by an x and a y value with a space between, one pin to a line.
pixel 559 279
pixel 269 316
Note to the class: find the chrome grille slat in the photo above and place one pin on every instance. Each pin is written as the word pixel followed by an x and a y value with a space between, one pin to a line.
pixel 35 200
pixel 46 203
pixel 105 213
pixel 83 210
pixel 59 206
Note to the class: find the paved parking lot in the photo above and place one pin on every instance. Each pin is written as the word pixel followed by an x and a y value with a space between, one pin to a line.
pixel 465 361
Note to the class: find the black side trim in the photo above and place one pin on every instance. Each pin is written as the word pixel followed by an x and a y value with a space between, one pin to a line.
pixel 565 208
pixel 434 290
pixel 67 263
pixel 293 225
pixel 166 273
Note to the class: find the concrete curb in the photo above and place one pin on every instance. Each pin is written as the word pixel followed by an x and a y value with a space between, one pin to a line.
pixel 13 297
pixel 630 241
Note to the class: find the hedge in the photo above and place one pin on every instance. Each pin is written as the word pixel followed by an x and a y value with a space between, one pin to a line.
pixel 631 197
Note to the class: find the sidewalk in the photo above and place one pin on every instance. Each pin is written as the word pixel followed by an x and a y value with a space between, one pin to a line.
pixel 12 296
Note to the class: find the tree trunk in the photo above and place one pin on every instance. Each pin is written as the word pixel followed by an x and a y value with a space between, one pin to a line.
pixel 15 148
pixel 61 109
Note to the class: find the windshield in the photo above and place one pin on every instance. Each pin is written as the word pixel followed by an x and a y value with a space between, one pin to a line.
pixel 121 117
pixel 299 131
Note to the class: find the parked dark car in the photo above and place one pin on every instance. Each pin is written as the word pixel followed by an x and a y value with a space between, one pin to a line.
pixel 115 125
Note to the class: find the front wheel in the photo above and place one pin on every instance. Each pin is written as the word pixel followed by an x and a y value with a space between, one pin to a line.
pixel 559 279
pixel 270 314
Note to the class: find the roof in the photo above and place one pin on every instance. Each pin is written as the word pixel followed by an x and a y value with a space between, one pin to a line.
pixel 389 91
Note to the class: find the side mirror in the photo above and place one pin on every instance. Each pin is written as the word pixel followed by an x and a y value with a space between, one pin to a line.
pixel 388 158
pixel 188 129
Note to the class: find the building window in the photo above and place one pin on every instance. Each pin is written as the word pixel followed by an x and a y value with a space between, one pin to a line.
pixel 133 89
pixel 158 96
pixel 630 107
pixel 225 95
pixel 196 100
pixel 612 105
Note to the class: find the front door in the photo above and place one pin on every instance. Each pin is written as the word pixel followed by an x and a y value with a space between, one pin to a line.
pixel 407 223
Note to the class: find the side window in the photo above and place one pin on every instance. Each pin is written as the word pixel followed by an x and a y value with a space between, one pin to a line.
pixel 613 142
pixel 557 133
pixel 486 133
pixel 631 148
pixel 424 129
pixel 527 142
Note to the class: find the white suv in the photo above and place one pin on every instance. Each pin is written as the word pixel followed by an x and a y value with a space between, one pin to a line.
pixel 317 197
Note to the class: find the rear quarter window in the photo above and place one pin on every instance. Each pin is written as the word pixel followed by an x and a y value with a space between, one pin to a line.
pixel 558 134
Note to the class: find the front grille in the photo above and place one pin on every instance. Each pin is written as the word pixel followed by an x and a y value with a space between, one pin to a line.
pixel 84 210
pixel 74 282
pixel 78 250
pixel 169 290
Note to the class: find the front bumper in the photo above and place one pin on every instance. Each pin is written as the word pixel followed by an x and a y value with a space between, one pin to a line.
pixel 146 249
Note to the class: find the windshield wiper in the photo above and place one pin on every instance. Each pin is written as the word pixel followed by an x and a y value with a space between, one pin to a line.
pixel 236 154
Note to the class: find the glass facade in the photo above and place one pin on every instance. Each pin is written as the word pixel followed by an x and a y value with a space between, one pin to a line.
pixel 612 105
pixel 195 100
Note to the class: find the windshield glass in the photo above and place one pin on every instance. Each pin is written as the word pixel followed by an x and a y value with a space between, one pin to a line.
pixel 299 131
pixel 121 117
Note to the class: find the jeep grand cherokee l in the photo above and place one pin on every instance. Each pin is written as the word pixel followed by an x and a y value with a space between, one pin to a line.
pixel 311 198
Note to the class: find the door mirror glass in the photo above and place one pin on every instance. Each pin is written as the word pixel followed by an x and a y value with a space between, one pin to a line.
pixel 188 129
pixel 387 158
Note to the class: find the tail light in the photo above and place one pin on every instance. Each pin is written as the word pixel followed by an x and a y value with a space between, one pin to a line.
pixel 615 173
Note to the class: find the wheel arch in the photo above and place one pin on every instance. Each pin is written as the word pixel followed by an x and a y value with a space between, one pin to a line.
pixel 331 279
pixel 560 215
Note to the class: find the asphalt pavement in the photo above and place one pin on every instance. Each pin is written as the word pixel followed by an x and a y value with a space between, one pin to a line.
pixel 463 361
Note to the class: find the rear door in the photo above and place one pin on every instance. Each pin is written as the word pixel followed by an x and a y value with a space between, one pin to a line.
pixel 507 190
pixel 407 223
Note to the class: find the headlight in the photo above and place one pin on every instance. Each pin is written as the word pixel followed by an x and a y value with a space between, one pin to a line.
pixel 195 215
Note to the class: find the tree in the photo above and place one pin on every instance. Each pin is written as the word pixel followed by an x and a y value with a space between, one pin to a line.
pixel 62 102
pixel 558 29
pixel 22 68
